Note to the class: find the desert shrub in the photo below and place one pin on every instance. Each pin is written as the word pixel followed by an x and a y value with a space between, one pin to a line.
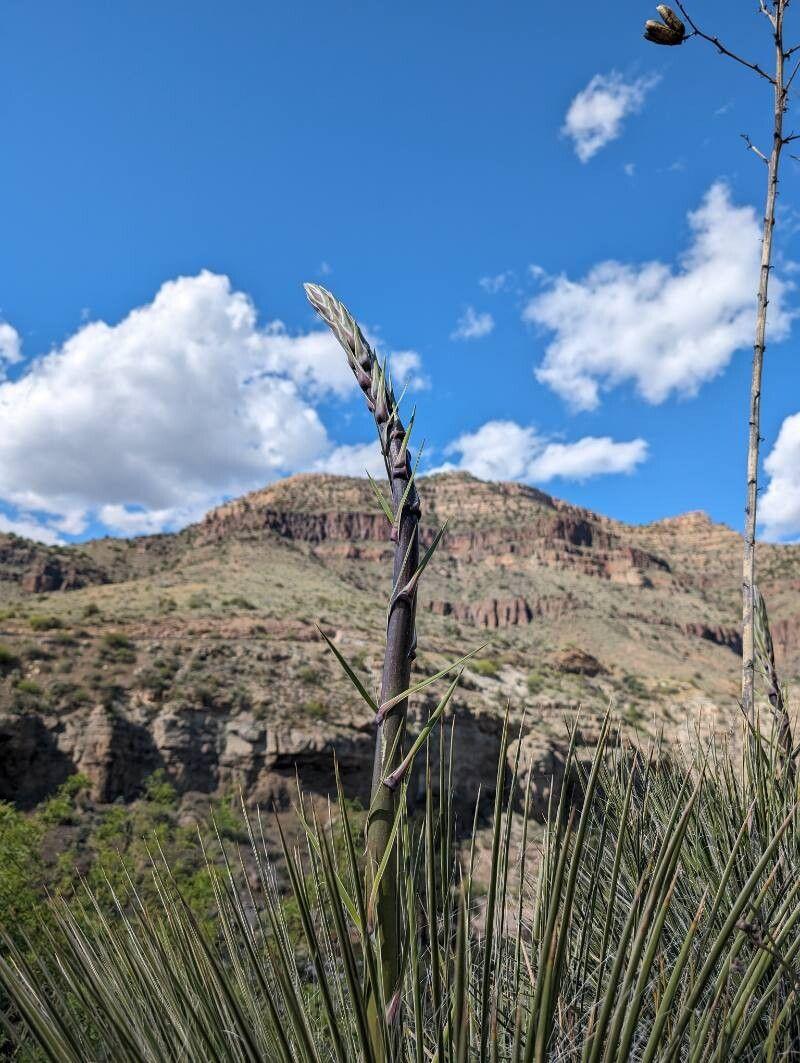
pixel 635 688
pixel 64 640
pixel 309 674
pixel 535 682
pixel 160 790
pixel 28 686
pixel 117 647
pixel 159 677
pixel 21 870
pixel 33 652
pixel 486 666
pixel 238 602
pixel 8 660
pixel 315 708
pixel 92 609
pixel 116 640
pixel 68 695
pixel 45 623
pixel 60 808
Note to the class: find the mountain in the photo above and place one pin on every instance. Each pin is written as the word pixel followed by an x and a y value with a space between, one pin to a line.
pixel 198 652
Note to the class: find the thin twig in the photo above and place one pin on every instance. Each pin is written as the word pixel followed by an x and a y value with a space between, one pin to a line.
pixel 751 147
pixel 788 84
pixel 696 31
pixel 766 11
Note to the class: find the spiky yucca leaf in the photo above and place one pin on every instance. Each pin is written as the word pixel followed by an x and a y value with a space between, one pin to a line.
pixel 664 918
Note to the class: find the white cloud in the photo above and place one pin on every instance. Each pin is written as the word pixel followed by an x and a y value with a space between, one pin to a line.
pixel 128 520
pixel 505 450
pixel 498 450
pixel 353 459
pixel 406 370
pixel 10 345
pixel 29 528
pixel 779 508
pixel 472 325
pixel 497 282
pixel 666 329
pixel 596 114
pixel 144 424
pixel 590 456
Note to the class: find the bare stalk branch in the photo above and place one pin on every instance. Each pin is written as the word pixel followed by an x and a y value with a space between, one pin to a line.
pixel 766 12
pixel 697 32
pixel 754 422
pixel 774 11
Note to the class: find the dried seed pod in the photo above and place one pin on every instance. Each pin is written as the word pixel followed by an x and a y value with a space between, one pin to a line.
pixel 658 33
pixel 671 19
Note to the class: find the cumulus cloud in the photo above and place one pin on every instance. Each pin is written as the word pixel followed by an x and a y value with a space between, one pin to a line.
pixel 144 424
pixel 590 456
pixel 10 345
pixel 353 459
pixel 505 450
pixel 472 325
pixel 596 114
pixel 780 505
pixel 665 329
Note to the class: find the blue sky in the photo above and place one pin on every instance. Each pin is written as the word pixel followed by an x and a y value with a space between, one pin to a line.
pixel 200 161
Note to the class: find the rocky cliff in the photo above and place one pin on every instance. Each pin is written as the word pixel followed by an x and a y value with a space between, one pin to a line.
pixel 198 653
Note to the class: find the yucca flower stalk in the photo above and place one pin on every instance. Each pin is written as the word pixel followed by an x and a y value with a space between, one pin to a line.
pixel 404 516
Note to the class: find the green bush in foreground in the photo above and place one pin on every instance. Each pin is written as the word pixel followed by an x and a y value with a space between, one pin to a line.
pixel 662 921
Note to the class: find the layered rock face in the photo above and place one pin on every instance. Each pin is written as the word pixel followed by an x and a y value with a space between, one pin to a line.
pixel 198 653
pixel 38 569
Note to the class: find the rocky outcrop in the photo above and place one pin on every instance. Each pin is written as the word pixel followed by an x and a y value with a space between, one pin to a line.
pixel 40 569
pixel 491 612
pixel 554 535
pixel 115 753
pixel 188 743
pixel 503 612
pixel 204 752
pixel 720 636
pixel 32 765
pixel 59 574
pixel 576 661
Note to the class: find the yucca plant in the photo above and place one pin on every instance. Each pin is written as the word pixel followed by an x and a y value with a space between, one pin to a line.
pixel 660 921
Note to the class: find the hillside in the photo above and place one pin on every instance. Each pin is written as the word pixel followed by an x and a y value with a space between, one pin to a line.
pixel 198 652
